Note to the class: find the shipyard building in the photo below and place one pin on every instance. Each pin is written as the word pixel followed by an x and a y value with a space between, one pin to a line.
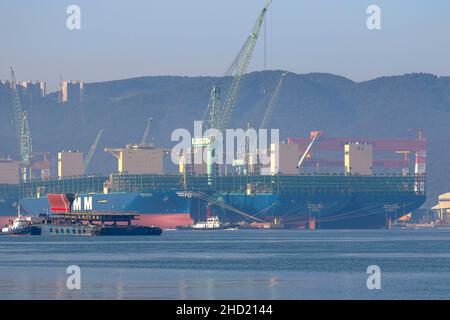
pixel 136 159
pixel 70 163
pixel 9 171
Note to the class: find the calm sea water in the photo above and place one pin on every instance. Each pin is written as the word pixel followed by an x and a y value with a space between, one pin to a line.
pixel 240 264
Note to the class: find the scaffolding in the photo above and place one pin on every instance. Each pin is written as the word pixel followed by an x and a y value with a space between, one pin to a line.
pixel 69 184
pixel 245 184
pixel 123 182
pixel 278 184
pixel 320 184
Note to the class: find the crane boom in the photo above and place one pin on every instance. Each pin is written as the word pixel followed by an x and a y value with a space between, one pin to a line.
pixel 272 103
pixel 146 131
pixel 265 120
pixel 241 64
pixel 90 154
pixel 22 129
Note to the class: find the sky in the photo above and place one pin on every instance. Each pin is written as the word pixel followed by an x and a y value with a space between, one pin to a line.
pixel 121 39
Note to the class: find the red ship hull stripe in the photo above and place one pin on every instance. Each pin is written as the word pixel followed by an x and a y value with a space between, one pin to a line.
pixel 165 220
pixel 5 220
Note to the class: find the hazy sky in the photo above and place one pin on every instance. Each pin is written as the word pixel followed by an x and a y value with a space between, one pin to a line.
pixel 121 39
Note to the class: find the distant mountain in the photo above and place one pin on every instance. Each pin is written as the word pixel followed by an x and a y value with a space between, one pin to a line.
pixel 383 107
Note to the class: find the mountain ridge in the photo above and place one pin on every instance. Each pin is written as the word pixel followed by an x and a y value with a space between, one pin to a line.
pixel 383 107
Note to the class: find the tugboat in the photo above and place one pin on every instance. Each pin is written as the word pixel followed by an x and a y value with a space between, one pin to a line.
pixel 211 223
pixel 19 226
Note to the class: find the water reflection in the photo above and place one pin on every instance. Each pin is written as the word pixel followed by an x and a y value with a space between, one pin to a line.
pixel 286 265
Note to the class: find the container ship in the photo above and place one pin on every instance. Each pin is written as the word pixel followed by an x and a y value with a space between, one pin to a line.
pixel 297 201
pixel 360 196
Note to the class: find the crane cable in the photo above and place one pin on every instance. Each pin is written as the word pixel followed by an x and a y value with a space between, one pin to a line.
pixel 224 205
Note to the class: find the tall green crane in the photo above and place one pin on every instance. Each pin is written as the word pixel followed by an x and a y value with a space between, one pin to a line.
pixel 240 65
pixel 217 116
pixel 23 134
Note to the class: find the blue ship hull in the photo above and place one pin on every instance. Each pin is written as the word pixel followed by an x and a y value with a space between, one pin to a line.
pixel 169 209
pixel 329 211
pixel 8 206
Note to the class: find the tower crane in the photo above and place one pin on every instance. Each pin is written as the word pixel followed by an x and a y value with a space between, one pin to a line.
pixel 240 65
pixel 216 115
pixel 23 134
pixel 92 149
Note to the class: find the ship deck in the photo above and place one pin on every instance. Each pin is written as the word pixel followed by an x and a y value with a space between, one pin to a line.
pixel 246 184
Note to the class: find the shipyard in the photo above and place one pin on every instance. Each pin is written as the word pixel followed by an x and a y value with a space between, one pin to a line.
pixel 311 182
pixel 215 152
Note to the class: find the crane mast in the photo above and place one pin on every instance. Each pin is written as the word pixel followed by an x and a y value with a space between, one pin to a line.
pixel 23 134
pixel 211 115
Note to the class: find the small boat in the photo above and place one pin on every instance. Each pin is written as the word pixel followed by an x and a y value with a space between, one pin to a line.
pixel 211 223
pixel 19 226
